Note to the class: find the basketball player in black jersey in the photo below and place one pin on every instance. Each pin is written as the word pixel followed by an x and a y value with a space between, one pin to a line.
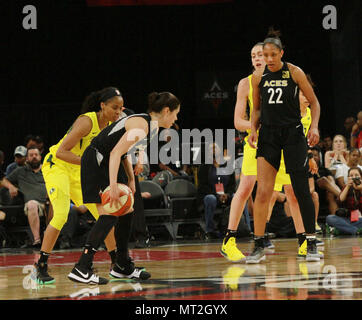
pixel 277 112
pixel 101 167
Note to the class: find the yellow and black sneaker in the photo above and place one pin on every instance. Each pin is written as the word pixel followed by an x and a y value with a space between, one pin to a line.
pixel 230 251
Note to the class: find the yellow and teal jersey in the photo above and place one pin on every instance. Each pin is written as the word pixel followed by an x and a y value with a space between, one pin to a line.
pixel 80 147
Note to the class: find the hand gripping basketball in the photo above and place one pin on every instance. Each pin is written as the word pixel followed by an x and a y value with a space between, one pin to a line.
pixel 125 197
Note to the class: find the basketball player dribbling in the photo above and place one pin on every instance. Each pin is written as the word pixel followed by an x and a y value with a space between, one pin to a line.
pixel 61 169
pixel 100 168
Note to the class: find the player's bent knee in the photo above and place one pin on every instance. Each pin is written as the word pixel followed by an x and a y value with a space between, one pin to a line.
pixel 58 222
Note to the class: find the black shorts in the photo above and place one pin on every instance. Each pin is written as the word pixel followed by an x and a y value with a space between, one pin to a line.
pixel 95 177
pixel 272 140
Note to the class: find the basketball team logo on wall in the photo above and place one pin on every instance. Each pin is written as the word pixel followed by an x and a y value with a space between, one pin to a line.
pixel 216 95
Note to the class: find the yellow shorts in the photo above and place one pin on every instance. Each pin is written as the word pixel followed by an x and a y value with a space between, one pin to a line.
pixel 282 177
pixel 249 167
pixel 62 181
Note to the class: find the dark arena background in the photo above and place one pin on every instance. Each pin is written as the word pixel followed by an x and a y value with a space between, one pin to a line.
pixel 78 48
pixel 198 50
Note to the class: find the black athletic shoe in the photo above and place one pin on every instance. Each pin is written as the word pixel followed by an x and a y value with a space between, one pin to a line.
pixel 256 256
pixel 267 243
pixel 42 276
pixel 83 275
pixel 129 272
pixel 130 265
pixel 312 251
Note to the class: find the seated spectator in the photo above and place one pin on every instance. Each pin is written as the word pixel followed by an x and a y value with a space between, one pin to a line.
pixel 327 143
pixel 321 154
pixel 35 141
pixel 237 171
pixel 325 185
pixel 139 230
pixel 280 221
pixel 29 180
pixel 348 219
pixel 239 155
pixel 356 133
pixel 163 172
pixel 353 160
pixel 214 189
pixel 337 156
pixel 19 159
pixel 74 232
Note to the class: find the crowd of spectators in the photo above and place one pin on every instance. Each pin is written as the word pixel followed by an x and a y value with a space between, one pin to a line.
pixel 337 185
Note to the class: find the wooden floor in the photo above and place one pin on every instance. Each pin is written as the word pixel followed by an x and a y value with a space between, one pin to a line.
pixel 197 271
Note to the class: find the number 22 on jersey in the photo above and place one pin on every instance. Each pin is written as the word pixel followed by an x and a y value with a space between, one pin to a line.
pixel 275 95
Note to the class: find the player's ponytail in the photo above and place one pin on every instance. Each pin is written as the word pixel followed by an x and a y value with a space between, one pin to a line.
pixel 93 101
pixel 273 33
pixel 273 37
pixel 159 100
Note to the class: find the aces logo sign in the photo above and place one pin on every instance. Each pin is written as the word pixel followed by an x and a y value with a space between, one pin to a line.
pixel 216 95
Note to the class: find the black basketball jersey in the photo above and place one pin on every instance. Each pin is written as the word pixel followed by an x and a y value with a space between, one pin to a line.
pixel 106 140
pixel 126 112
pixel 279 98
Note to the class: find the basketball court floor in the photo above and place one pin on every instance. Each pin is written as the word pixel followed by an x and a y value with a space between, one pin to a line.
pixel 196 271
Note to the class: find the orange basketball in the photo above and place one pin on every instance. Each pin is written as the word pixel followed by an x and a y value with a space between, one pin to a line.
pixel 125 197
